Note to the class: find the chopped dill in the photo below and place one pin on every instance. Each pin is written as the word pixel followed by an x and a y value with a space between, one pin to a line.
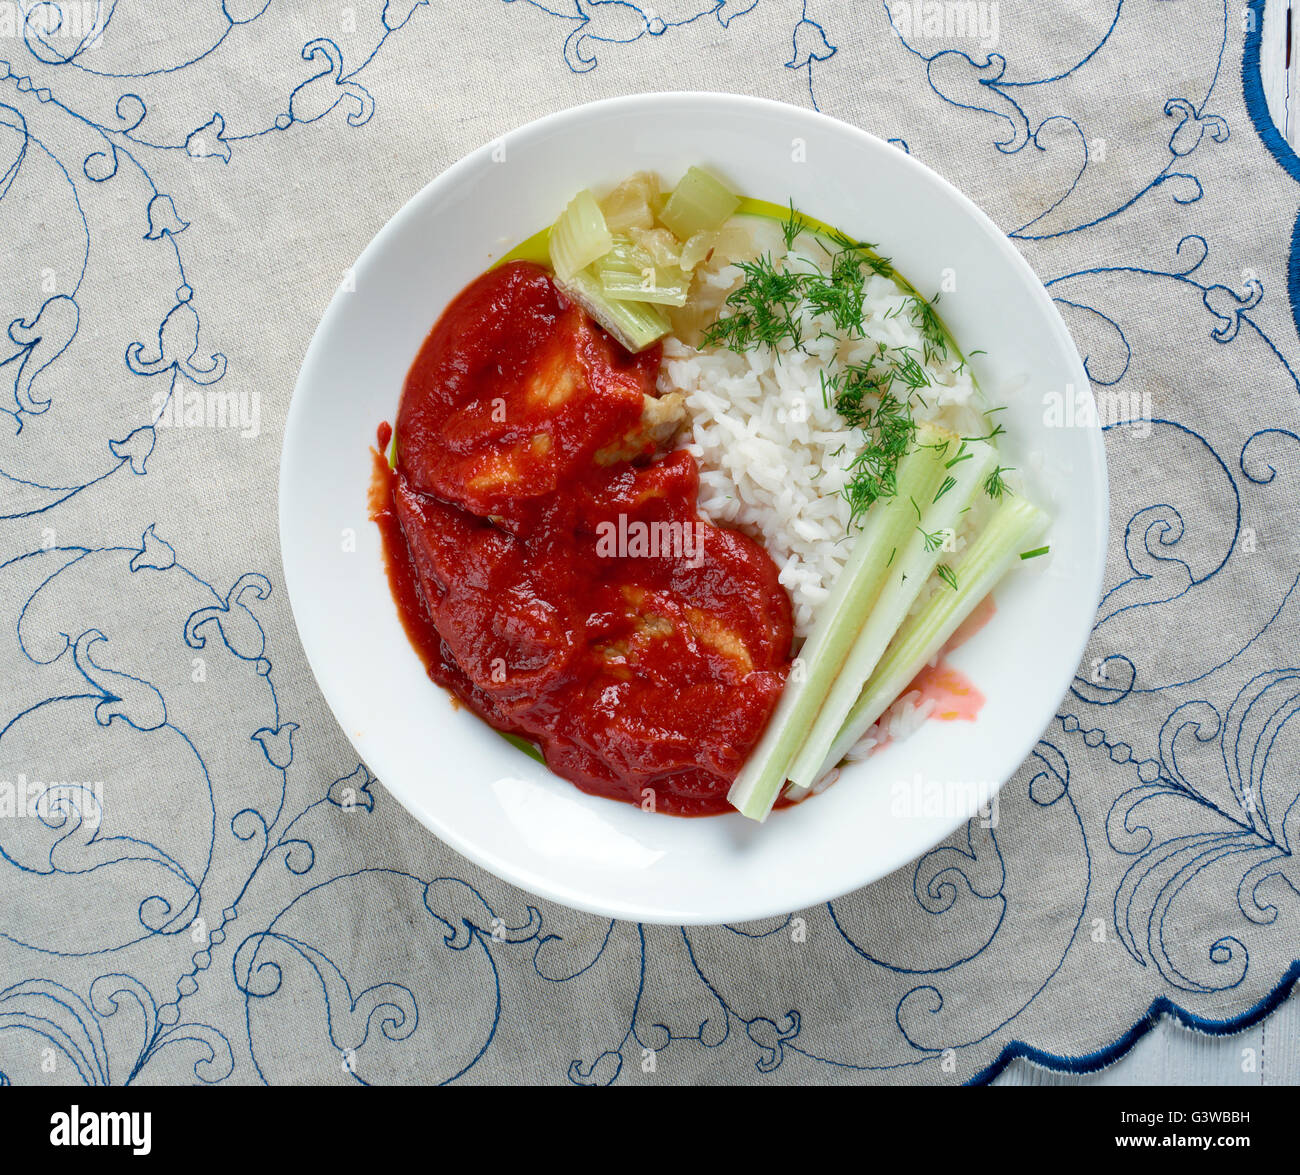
pixel 926 319
pixel 1034 553
pixel 933 540
pixel 771 308
pixel 792 227
pixel 963 454
pixel 992 435
pixel 948 483
pixel 994 486
pixel 946 574
pixel 764 309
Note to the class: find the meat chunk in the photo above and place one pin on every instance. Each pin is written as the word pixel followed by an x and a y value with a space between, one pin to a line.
pixel 661 417
pixel 513 395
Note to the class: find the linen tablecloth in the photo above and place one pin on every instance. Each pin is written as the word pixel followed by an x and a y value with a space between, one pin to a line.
pixel 183 188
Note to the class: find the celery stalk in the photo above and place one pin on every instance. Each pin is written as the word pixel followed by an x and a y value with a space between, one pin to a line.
pixel 699 203
pixel 982 564
pixel 628 274
pixel 624 256
pixel 579 237
pixel 907 574
pixel 634 324
pixel 654 286
pixel 889 525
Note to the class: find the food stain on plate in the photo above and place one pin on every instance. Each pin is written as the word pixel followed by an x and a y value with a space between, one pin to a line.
pixel 954 695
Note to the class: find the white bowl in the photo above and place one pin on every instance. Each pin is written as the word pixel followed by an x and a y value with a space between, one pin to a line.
pixel 508 813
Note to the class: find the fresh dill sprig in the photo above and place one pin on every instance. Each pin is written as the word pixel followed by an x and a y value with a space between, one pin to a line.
pixel 963 454
pixel 995 431
pixel 840 295
pixel 946 573
pixel 764 309
pixel 926 319
pixel 933 540
pixel 994 485
pixel 791 227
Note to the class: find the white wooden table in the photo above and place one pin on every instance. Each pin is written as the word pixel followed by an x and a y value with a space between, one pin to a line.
pixel 1269 1053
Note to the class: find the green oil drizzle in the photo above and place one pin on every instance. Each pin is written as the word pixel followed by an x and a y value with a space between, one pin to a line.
pixel 537 250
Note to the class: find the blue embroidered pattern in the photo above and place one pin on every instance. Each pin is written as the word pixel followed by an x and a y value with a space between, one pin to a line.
pixel 284 899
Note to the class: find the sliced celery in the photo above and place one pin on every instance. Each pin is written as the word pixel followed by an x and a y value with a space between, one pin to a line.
pixel 628 274
pixel 634 324
pixel 889 525
pixel 579 237
pixel 624 256
pixel 698 248
pixel 982 564
pixel 654 287
pixel 907 574
pixel 699 203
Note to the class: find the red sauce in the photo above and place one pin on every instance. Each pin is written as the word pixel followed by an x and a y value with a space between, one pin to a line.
pixel 555 574
pixel 954 695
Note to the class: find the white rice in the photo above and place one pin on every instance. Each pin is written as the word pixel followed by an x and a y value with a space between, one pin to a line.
pixel 773 455
pixel 902 719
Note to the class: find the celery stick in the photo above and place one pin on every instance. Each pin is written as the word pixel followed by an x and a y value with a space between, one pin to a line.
pixel 654 286
pixel 699 203
pixel 889 525
pixel 624 256
pixel 628 274
pixel 579 237
pixel 634 324
pixel 907 575
pixel 982 564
